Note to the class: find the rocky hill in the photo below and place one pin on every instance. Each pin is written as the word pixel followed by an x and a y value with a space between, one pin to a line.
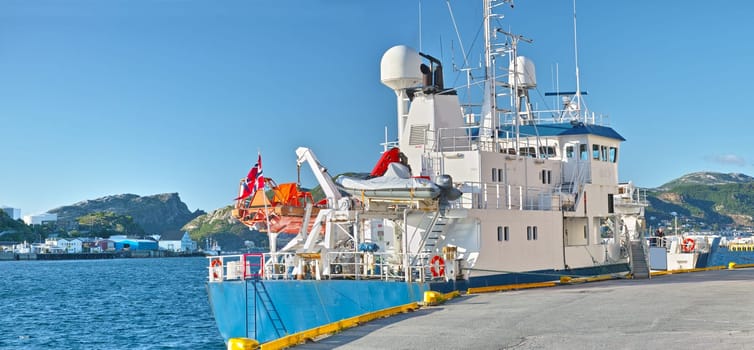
pixel 708 178
pixel 705 200
pixel 156 214
pixel 229 232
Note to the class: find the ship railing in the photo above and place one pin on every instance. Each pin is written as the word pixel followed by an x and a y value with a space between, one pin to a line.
pixel 340 265
pixel 384 266
pixel 480 195
pixel 473 137
pixel 359 265
pixel 628 194
pixel 226 267
pixel 549 116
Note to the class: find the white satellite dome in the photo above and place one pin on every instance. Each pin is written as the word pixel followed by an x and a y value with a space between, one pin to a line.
pixel 399 68
pixel 524 71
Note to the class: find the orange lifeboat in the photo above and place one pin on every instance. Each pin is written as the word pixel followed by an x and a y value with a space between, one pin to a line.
pixel 284 213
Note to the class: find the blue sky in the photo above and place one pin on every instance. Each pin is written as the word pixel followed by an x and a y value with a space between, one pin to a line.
pixel 145 97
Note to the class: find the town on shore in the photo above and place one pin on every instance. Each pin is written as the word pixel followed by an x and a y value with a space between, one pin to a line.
pixel 117 246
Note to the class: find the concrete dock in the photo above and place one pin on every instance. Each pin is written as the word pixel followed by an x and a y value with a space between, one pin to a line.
pixel 701 310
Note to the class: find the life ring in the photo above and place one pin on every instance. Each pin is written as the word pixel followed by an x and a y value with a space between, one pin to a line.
pixel 437 266
pixel 688 245
pixel 217 269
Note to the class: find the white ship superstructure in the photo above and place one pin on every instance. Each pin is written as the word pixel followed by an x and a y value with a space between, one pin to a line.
pixel 466 197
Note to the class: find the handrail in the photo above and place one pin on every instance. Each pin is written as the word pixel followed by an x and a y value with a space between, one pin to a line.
pixel 342 265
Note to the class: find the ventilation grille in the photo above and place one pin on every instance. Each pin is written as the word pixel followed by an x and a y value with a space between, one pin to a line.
pixel 418 135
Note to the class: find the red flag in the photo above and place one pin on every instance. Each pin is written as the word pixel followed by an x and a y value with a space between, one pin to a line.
pixel 254 180
pixel 259 184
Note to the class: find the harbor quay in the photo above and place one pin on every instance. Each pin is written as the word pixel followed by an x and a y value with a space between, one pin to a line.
pixel 701 310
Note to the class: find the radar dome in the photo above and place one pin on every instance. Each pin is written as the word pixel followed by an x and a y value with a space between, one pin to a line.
pixel 399 68
pixel 524 71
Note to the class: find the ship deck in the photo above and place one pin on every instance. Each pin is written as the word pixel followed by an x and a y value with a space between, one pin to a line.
pixel 709 309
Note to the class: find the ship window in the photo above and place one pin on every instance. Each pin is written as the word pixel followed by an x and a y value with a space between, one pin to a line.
pixel 610 203
pixel 595 151
pixel 604 153
pixel 546 151
pixel 613 154
pixel 569 152
pixel 494 175
pixel 583 153
pixel 506 233
pixel 546 176
pixel 534 233
pixel 500 175
pixel 585 234
pixel 499 233
pixel 528 233
pixel 528 151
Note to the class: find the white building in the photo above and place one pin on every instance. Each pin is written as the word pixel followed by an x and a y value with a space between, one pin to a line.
pixel 40 219
pixel 14 213
pixel 177 241
pixel 62 245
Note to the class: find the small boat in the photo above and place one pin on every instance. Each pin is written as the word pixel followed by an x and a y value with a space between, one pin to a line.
pixel 396 183
pixel 212 248
pixel 682 251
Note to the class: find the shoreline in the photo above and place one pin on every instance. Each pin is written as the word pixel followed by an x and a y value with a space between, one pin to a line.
pixel 10 256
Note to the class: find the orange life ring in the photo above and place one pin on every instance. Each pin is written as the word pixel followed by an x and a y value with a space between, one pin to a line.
pixel 217 268
pixel 437 266
pixel 688 245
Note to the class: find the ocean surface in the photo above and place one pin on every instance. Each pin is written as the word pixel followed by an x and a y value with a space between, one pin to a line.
pixel 723 256
pixel 156 303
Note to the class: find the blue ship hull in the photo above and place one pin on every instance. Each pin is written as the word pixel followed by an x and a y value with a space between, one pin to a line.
pixel 266 310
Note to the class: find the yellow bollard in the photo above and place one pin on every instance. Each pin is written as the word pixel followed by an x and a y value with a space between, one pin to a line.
pixel 731 265
pixel 242 344
pixel 565 279
pixel 432 297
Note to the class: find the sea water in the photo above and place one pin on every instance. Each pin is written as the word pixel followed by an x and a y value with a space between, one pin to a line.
pixel 723 256
pixel 106 304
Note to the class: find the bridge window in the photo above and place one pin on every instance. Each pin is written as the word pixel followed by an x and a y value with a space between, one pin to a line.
pixel 583 153
pixel 527 151
pixel 613 154
pixel 494 175
pixel 546 151
pixel 569 152
pixel 596 152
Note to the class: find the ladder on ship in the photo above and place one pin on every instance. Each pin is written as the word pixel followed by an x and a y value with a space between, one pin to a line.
pixel 267 306
pixel 638 256
pixel 433 226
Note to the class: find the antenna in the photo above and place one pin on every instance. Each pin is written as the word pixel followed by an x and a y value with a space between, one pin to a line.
pixel 420 26
pixel 458 35
pixel 576 54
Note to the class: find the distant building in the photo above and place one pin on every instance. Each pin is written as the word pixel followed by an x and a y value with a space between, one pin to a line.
pixel 40 219
pixel 125 243
pixel 62 245
pixel 104 245
pixel 14 213
pixel 177 241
